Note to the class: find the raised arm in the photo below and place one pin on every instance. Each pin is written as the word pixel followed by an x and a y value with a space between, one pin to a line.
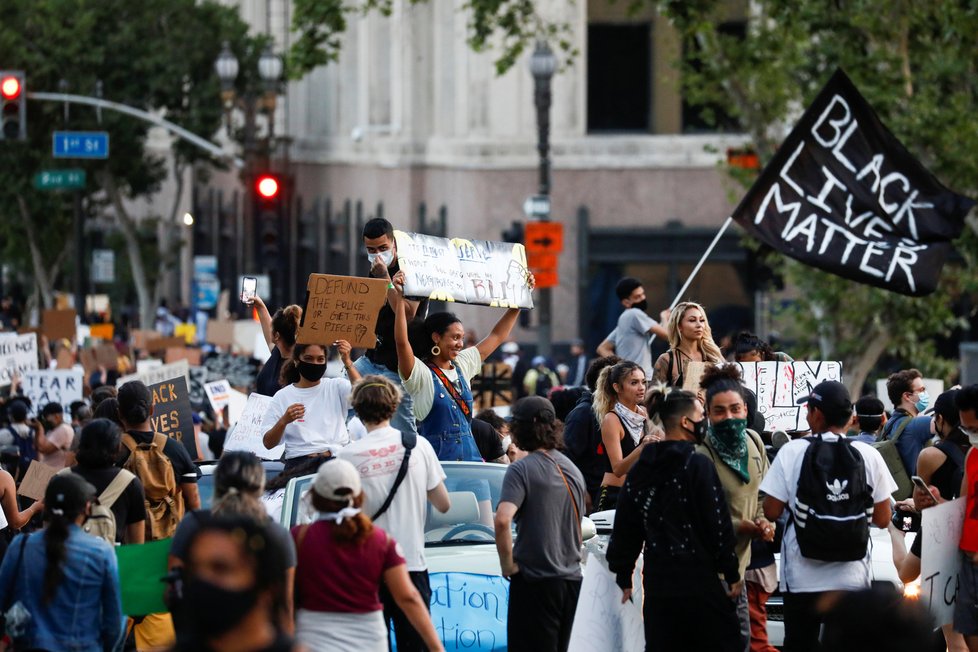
pixel 265 318
pixel 499 334
pixel 405 354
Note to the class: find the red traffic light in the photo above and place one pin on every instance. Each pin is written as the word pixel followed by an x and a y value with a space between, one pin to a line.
pixel 267 186
pixel 10 88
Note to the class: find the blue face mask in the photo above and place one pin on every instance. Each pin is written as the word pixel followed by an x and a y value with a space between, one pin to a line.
pixel 923 400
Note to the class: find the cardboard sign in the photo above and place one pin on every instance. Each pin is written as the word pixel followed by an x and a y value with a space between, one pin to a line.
pixel 102 331
pixel 467 271
pixel 192 356
pixel 220 333
pixel 65 359
pixel 36 480
pixel 341 308
pixel 107 356
pixel 59 324
pixel 218 394
pixel 601 621
pixel 940 559
pixel 53 386
pixel 694 372
pixel 469 611
pixel 246 435
pixel 172 413
pixel 157 373
pixel 88 360
pixel 161 344
pixel 139 338
pixel 245 331
pixel 18 354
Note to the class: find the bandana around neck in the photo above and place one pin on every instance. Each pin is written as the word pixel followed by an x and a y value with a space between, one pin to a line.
pixel 729 439
pixel 633 421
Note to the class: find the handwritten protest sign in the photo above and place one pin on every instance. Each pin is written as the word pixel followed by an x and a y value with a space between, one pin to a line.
pixel 467 271
pixel 172 413
pixel 58 324
pixel 469 611
pixel 247 433
pixel 844 195
pixel 220 333
pixel 939 558
pixel 36 480
pixel 18 354
pixel 107 356
pixel 778 387
pixel 157 373
pixel 53 386
pixel 192 356
pixel 341 308
pixel 161 344
pixel 601 621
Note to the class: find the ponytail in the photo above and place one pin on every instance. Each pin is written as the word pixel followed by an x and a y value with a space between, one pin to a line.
pixel 55 554
pixel 351 530
pixel 605 395
pixel 669 405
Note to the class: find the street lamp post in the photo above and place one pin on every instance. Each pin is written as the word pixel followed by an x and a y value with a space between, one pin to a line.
pixel 542 67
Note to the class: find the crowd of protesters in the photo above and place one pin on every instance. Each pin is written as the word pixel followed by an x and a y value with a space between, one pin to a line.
pixel 699 486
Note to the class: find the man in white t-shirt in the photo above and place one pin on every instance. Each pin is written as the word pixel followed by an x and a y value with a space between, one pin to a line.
pixel 379 456
pixel 805 580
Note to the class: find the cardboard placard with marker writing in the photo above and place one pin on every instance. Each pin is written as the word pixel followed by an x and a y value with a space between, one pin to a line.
pixel 342 308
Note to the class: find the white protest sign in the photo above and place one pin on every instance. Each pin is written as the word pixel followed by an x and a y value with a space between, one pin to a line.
pixel 53 386
pixel 159 374
pixel 18 354
pixel 780 385
pixel 143 366
pixel 939 558
pixel 237 401
pixel 467 271
pixel 601 621
pixel 218 394
pixel 246 435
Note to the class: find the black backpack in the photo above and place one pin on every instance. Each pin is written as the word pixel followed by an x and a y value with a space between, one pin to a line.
pixel 834 502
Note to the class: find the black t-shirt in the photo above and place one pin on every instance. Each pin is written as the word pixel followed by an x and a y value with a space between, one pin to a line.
pixel 129 508
pixel 915 547
pixel 266 382
pixel 385 353
pixel 184 469
pixel 489 444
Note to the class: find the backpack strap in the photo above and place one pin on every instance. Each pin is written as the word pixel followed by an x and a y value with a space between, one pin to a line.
pixel 119 484
pixel 409 441
pixel 160 440
pixel 899 430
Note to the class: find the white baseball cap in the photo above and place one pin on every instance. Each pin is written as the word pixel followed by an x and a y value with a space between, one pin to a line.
pixel 337 480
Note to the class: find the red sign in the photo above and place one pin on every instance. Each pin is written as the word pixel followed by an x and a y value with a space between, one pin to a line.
pixel 544 237
pixel 544 268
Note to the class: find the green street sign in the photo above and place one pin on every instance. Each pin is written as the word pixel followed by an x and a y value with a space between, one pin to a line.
pixel 60 179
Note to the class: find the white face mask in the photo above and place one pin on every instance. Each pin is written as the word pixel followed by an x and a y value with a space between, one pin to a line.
pixel 386 256
pixel 972 437
pixel 507 440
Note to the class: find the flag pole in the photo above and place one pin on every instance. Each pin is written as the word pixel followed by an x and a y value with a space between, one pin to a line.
pixel 692 275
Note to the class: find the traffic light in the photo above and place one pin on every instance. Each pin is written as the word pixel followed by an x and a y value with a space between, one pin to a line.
pixel 13 106
pixel 268 216
pixel 515 232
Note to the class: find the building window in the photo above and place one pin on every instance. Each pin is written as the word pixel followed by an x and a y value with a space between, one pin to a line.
pixel 619 78
pixel 710 116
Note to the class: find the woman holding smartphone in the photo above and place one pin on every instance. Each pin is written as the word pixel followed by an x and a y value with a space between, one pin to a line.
pixel 308 414
pixel 279 330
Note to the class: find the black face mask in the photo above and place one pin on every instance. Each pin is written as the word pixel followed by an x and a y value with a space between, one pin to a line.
pixel 700 428
pixel 311 371
pixel 224 608
pixel 641 305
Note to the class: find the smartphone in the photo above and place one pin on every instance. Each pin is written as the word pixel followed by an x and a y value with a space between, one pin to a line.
pixel 249 289
pixel 919 482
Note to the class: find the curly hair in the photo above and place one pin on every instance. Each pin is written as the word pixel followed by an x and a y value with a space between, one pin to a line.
pixel 721 378
pixel 708 348
pixel 375 399
pixel 543 432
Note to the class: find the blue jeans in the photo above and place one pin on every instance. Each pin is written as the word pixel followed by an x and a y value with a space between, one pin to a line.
pixel 403 419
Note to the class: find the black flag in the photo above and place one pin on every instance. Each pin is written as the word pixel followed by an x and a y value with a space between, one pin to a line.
pixel 844 195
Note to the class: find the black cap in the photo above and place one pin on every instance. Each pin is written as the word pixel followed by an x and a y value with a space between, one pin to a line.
pixel 67 493
pixel 17 411
pixel 945 406
pixel 132 393
pixel 626 286
pixel 534 408
pixel 52 408
pixel 869 406
pixel 830 396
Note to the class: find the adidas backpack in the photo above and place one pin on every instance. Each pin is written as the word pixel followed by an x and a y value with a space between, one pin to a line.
pixel 834 502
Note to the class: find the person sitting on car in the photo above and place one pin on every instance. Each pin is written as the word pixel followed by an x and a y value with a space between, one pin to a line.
pixel 239 480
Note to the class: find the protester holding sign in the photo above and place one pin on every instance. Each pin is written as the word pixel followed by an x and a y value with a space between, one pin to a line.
pixel 378 238
pixel 690 340
pixel 280 331
pixel 65 581
pixel 674 504
pixel 625 427
pixel 308 414
pixel 438 381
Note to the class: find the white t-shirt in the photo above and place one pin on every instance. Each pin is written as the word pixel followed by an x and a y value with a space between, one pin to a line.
pixel 800 574
pixel 378 457
pixel 323 427
pixel 421 384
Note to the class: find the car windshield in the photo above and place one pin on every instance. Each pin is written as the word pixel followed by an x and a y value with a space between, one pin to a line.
pixel 474 489
pixel 205 484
